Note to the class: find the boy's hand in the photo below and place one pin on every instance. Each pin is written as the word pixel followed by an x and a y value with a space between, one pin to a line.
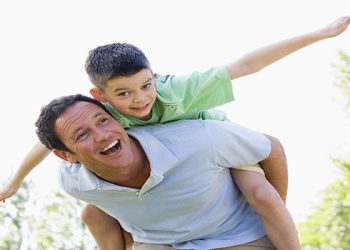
pixel 7 192
pixel 336 27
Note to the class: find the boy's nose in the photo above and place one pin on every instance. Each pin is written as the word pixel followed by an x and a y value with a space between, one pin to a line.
pixel 139 98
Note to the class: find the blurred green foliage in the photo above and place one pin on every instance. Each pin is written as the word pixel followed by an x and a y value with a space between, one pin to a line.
pixel 328 227
pixel 32 220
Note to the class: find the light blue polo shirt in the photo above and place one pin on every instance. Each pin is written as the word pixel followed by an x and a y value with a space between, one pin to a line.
pixel 189 201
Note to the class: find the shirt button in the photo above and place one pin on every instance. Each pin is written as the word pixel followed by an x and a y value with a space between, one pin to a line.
pixel 137 193
pixel 172 107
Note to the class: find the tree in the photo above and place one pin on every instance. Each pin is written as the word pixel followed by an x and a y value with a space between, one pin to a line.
pixel 36 221
pixel 11 220
pixel 343 78
pixel 328 227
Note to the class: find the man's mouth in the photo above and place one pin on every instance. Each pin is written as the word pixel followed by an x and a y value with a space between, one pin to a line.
pixel 112 148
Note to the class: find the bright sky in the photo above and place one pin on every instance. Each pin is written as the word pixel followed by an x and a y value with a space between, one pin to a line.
pixel 44 45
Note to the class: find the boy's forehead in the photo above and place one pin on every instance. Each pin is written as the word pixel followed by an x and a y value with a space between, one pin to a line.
pixel 139 77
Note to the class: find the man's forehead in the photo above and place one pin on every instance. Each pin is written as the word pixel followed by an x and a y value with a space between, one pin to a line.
pixel 81 108
pixel 76 115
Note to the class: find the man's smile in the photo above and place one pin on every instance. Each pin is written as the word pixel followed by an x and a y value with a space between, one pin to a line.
pixel 112 148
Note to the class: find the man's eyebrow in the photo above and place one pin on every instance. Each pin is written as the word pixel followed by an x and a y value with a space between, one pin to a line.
pixel 75 131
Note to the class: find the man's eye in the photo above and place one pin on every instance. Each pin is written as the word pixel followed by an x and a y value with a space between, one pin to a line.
pixel 126 93
pixel 104 121
pixel 81 136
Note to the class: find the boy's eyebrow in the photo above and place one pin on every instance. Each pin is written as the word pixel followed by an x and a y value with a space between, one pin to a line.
pixel 119 89
pixel 148 79
pixel 125 88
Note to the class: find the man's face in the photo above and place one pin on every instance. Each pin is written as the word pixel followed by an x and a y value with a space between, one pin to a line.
pixel 132 95
pixel 95 138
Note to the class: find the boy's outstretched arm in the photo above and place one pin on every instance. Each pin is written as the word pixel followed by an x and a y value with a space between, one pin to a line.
pixel 260 58
pixel 32 159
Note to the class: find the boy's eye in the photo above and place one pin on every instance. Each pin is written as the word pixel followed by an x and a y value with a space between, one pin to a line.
pixel 126 93
pixel 147 85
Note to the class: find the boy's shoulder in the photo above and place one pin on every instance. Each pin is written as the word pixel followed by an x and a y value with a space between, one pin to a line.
pixel 162 78
pixel 170 79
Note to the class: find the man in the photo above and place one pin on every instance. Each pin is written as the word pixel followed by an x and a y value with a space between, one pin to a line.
pixel 166 184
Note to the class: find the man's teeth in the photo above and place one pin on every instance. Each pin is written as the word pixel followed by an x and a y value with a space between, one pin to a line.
pixel 110 145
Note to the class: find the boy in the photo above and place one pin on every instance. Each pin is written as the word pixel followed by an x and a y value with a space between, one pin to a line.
pixel 134 95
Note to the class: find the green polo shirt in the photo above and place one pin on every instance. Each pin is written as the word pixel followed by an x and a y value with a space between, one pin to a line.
pixel 186 97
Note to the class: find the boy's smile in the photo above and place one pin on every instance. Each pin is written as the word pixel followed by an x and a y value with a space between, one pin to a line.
pixel 132 95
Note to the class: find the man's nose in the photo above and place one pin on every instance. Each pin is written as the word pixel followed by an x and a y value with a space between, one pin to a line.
pixel 101 135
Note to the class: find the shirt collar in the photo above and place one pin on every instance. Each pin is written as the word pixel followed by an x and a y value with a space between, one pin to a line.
pixel 87 180
pixel 160 158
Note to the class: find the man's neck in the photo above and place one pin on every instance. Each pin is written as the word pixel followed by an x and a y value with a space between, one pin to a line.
pixel 141 169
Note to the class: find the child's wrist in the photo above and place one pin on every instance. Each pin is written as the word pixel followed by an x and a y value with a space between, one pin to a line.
pixel 14 184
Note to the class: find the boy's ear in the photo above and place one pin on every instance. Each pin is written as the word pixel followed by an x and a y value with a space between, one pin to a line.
pixel 97 94
pixel 65 155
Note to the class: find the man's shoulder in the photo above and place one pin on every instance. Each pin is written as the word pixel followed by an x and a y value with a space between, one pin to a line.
pixel 182 128
pixel 179 139
pixel 174 125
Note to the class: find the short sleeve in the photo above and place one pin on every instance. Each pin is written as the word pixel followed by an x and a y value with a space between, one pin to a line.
pixel 193 93
pixel 236 146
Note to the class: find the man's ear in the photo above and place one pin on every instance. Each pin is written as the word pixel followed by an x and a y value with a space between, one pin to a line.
pixel 65 155
pixel 97 94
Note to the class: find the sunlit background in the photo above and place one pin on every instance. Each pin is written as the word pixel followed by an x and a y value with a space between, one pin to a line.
pixel 44 45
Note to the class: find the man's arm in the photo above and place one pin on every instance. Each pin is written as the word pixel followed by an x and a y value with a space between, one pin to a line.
pixel 260 58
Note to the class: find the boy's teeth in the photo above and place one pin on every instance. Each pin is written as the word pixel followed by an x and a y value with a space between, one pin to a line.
pixel 110 145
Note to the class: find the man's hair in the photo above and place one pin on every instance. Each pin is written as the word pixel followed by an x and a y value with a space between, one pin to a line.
pixel 45 124
pixel 112 60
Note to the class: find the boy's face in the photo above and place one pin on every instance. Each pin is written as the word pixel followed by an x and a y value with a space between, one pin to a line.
pixel 132 95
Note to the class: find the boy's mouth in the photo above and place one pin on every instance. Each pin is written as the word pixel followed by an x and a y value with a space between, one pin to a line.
pixel 141 107
pixel 112 148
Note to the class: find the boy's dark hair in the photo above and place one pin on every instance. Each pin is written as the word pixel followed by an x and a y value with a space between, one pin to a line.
pixel 112 60
pixel 45 124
